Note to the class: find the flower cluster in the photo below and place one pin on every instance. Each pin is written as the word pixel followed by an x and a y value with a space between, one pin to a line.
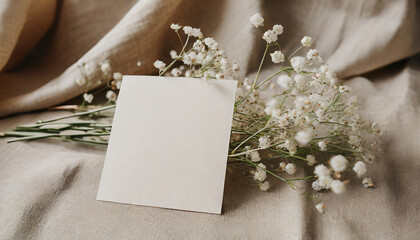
pixel 112 81
pixel 203 59
pixel 299 118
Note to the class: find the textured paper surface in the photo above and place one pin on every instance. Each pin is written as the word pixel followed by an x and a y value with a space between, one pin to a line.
pixel 169 143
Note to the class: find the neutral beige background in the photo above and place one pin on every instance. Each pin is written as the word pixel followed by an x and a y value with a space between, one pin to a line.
pixel 48 189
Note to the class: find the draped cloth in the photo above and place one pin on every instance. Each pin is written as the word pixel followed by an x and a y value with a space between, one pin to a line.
pixel 48 188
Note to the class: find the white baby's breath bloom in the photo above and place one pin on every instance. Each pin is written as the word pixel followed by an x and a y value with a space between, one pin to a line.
pixel 195 32
pixel 368 183
pixel 173 54
pixel 300 81
pixel 111 95
pixel 211 43
pixel 322 171
pixel 138 63
pixel 360 168
pixel 338 187
pixel 298 63
pixel 320 207
pixel 313 54
pixel 257 20
pixel 316 186
pixel 118 84
pixel 290 168
pixel 88 97
pixel 175 26
pixel 176 72
pixel 291 146
pixel 322 145
pixel 81 81
pixel 338 163
pixel 304 137
pixel 264 142
pixel 325 181
pixel 277 57
pixel 260 174
pixel 278 29
pixel 255 156
pixel 270 36
pixel 311 160
pixel 306 41
pixel 265 186
pixel 106 67
pixel 159 65
pixel 284 81
pixel 282 166
pixel 117 76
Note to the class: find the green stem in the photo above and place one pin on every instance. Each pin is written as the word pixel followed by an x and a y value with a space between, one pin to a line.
pixel 259 68
pixel 179 56
pixel 78 114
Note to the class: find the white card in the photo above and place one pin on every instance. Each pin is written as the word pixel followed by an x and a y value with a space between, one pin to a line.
pixel 169 143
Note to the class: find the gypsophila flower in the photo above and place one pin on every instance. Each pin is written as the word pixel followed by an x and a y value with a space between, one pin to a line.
pixel 338 163
pixel 290 168
pixel 138 63
pixel 304 137
pixel 211 43
pixel 360 168
pixel 105 67
pixel 322 145
pixel 270 36
pixel 277 57
pixel 284 81
pixel 81 81
pixel 175 27
pixel 306 41
pixel 298 63
pixel 117 76
pixel 118 84
pixel 316 186
pixel 264 142
pixel 265 186
pixel 322 171
pixel 88 97
pixel 311 160
pixel 260 174
pixel 313 54
pixel 282 166
pixel 368 183
pixel 173 54
pixel 257 20
pixel 255 156
pixel 278 29
pixel 111 96
pixel 195 32
pixel 320 207
pixel 338 186
pixel 159 65
pixel 176 72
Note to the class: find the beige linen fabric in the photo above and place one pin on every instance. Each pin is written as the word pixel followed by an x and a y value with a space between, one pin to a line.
pixel 48 188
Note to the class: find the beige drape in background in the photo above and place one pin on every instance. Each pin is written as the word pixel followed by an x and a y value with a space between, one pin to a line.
pixel 48 189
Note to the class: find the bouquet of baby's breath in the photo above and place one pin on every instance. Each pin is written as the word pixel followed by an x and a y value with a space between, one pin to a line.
pixel 298 117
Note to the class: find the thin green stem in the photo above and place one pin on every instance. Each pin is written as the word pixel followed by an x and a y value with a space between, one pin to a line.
pixel 78 114
pixel 259 68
